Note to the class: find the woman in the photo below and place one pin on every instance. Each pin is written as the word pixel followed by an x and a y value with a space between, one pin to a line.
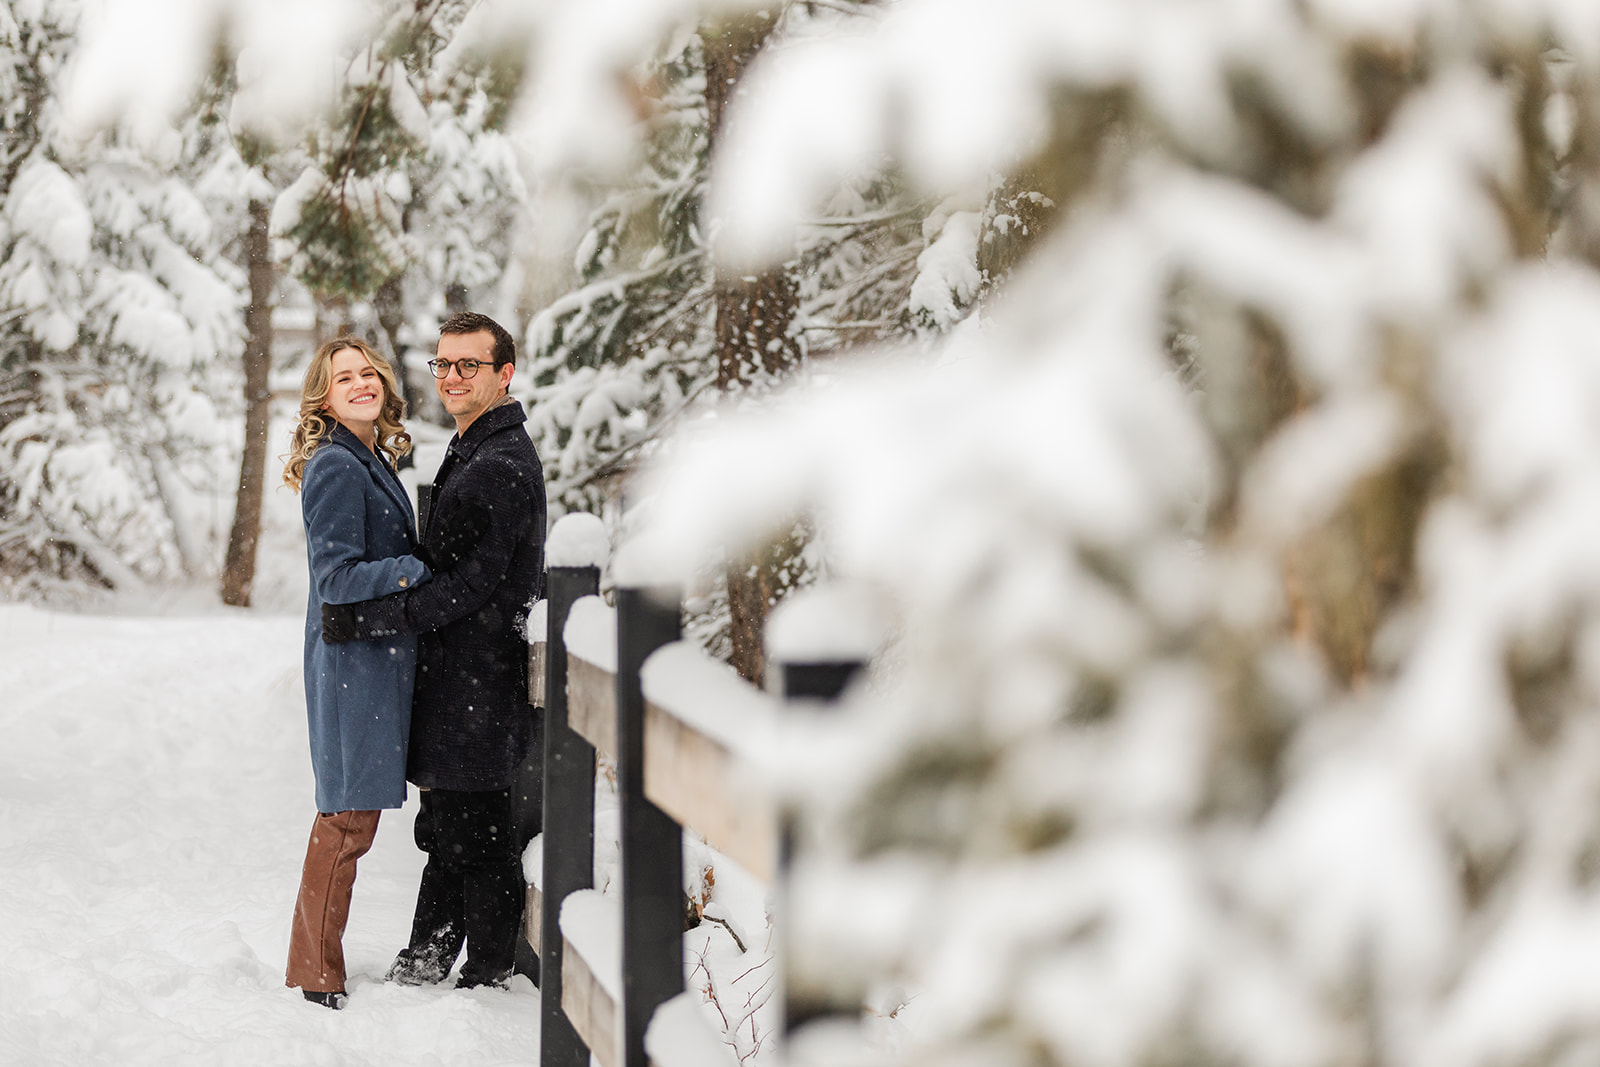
pixel 361 543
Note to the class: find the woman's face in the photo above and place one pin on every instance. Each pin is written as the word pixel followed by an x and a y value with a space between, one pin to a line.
pixel 356 394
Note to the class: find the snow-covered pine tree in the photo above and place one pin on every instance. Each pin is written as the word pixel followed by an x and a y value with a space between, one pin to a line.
pixel 615 361
pixel 653 332
pixel 467 210
pixel 1252 718
pixel 410 202
pixel 119 309
pixel 341 218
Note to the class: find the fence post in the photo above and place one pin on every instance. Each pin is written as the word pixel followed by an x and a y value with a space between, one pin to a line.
pixel 569 817
pixel 652 844
pixel 823 682
pixel 817 641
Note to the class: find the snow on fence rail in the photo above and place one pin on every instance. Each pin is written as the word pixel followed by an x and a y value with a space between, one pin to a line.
pixel 681 729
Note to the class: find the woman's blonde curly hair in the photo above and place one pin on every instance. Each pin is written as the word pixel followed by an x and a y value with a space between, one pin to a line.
pixel 316 422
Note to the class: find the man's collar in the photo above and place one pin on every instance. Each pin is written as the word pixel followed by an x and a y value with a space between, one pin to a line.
pixel 503 414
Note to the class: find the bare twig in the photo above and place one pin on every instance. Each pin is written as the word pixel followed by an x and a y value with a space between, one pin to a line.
pixel 752 970
pixel 710 992
pixel 724 924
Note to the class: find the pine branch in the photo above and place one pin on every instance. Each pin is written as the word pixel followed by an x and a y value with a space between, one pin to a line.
pixel 885 324
pixel 620 460
pixel 842 8
pixel 578 299
pixel 693 301
pixel 866 222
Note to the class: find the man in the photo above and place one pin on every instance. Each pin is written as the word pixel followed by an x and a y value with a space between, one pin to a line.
pixel 471 725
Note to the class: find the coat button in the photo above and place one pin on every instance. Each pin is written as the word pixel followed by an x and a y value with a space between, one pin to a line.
pixel 404 581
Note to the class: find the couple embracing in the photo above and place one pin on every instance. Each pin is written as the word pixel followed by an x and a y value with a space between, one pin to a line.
pixel 415 651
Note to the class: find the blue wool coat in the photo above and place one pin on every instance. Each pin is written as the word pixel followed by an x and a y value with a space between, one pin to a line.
pixel 471 719
pixel 360 531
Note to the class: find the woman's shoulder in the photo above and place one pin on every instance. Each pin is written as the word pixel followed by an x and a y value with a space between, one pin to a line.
pixel 331 459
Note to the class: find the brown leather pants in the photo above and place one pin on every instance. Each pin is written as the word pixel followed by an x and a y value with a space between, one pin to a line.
pixel 316 955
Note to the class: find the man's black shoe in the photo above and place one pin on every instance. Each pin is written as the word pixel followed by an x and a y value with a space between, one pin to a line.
pixel 334 999
pixel 412 970
pixel 472 980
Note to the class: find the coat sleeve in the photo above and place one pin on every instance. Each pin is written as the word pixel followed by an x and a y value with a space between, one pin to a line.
pixel 454 594
pixel 332 501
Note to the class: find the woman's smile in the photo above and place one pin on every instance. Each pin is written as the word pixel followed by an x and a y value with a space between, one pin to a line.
pixel 356 394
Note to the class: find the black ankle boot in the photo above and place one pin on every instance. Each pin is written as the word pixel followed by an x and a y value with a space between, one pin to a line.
pixel 471 978
pixel 411 968
pixel 335 999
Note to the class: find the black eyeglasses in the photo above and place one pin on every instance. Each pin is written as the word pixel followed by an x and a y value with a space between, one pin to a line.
pixel 464 367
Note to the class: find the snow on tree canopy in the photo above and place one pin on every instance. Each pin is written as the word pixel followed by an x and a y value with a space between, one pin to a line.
pixel 120 309
pixel 644 561
pixel 1242 562
pixel 1242 702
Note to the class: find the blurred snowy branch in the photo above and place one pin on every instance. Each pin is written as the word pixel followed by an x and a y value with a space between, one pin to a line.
pixel 1229 464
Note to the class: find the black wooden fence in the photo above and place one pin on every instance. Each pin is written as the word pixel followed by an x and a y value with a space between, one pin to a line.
pixel 672 772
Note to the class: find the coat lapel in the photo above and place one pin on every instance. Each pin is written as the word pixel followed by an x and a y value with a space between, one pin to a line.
pixel 461 448
pixel 378 471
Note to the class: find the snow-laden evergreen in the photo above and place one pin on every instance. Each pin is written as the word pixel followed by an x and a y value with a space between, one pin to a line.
pixel 119 311
pixel 468 202
pixel 1243 701
pixel 630 352
pixel 408 203
pixel 1246 723
pixel 620 356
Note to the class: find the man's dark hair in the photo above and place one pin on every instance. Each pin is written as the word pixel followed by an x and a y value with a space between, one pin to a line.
pixel 504 350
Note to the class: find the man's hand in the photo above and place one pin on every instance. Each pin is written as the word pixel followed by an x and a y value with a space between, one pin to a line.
pixel 458 535
pixel 338 623
pixel 370 620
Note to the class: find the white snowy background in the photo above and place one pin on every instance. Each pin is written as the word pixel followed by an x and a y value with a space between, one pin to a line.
pixel 1102 804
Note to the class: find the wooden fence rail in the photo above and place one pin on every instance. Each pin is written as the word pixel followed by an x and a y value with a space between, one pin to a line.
pixel 681 729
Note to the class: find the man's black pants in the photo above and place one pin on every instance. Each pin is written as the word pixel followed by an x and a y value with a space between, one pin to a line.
pixel 472 889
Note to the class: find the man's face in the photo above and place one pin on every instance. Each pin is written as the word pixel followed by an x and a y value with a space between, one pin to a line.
pixel 467 398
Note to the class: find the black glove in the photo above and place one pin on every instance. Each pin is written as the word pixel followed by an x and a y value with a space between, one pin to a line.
pixel 368 620
pixel 457 536
pixel 338 623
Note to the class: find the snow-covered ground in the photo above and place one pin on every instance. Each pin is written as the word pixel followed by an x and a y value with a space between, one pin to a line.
pixel 155 797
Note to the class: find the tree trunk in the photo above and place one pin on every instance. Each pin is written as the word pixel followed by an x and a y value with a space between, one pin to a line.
pixel 755 342
pixel 755 585
pixel 239 568
pixel 756 346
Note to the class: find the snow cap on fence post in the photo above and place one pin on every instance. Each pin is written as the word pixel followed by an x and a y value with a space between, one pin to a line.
pixel 819 638
pixel 578 539
pixel 646 563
